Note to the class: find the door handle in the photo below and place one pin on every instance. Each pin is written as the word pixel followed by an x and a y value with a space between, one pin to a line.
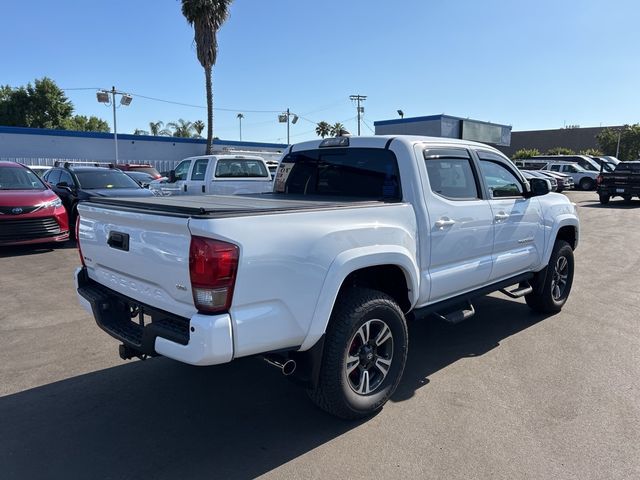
pixel 202 188
pixel 444 222
pixel 185 188
pixel 501 216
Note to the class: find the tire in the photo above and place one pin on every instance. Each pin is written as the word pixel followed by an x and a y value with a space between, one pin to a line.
pixel 604 199
pixel 360 319
pixel 586 184
pixel 557 283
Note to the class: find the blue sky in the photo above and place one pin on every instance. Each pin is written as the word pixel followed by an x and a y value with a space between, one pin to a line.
pixel 534 65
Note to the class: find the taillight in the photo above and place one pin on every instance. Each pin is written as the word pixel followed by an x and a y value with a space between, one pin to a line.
pixel 77 228
pixel 212 267
pixel 599 179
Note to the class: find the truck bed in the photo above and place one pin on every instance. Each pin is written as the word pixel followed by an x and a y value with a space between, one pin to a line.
pixel 220 206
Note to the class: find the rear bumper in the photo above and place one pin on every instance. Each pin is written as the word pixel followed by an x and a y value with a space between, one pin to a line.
pixel 619 190
pixel 199 340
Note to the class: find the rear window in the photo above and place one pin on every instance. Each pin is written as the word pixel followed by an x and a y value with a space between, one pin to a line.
pixel 345 172
pixel 237 168
pixel 627 167
pixel 149 170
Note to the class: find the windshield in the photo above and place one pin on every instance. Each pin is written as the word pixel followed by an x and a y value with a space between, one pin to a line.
pixel 104 178
pixel 627 167
pixel 18 178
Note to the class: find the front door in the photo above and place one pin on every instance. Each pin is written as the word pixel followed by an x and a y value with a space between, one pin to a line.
pixel 182 175
pixel 196 184
pixel 460 239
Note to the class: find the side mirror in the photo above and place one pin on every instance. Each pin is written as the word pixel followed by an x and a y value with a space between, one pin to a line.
pixel 172 176
pixel 539 187
pixel 64 186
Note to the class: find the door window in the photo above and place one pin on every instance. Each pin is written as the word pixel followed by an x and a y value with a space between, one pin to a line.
pixel 66 177
pixel 499 180
pixel 555 168
pixel 53 177
pixel 451 174
pixel 199 169
pixel 182 170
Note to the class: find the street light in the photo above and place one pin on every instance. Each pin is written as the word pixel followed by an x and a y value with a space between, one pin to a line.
pixel 240 117
pixel 401 113
pixel 285 117
pixel 125 100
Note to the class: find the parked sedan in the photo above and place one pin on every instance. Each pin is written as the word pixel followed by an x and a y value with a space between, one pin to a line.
pixel 29 211
pixel 142 178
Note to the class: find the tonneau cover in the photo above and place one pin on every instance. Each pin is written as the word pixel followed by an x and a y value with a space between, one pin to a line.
pixel 232 205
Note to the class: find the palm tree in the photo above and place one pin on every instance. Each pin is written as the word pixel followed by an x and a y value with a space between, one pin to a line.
pixel 206 17
pixel 323 129
pixel 138 131
pixel 198 126
pixel 336 128
pixel 181 128
pixel 156 128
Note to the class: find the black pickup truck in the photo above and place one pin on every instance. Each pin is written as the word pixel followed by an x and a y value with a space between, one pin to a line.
pixel 623 182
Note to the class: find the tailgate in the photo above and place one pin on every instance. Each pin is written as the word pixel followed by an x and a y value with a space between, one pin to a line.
pixel 140 255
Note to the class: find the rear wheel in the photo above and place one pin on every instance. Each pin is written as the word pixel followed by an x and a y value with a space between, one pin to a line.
pixel 364 354
pixel 587 184
pixel 604 199
pixel 553 294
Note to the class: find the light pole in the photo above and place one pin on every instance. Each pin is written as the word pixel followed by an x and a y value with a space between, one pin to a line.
pixel 125 100
pixel 285 118
pixel 240 117
pixel 618 145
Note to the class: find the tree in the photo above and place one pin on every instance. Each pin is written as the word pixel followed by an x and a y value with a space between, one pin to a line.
pixel 629 138
pixel 206 17
pixel 156 129
pixel 323 129
pixel 336 128
pixel 181 128
pixel 44 105
pixel 83 124
pixel 526 153
pixel 41 105
pixel 198 126
pixel 594 152
pixel 560 151
pixel 138 131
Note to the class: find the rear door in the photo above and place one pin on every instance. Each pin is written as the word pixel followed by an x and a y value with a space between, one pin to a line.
pixel 461 224
pixel 518 223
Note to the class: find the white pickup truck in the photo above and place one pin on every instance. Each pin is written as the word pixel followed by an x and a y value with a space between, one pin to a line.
pixel 320 276
pixel 217 175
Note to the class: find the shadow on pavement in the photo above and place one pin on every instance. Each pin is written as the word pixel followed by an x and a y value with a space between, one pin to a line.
pixel 35 249
pixel 162 419
pixel 618 203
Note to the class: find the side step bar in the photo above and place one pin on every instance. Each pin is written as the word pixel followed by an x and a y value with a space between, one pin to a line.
pixel 523 289
pixel 458 316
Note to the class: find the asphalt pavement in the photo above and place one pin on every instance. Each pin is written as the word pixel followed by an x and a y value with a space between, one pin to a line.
pixel 508 394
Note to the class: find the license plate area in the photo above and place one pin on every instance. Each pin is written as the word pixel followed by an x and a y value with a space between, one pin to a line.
pixel 619 190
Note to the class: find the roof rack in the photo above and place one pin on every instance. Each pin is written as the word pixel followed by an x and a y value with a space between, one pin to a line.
pixel 68 164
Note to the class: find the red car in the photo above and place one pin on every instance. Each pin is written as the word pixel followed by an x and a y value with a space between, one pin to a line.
pixel 30 212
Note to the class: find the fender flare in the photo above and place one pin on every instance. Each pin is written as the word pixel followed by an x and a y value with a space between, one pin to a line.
pixel 348 262
pixel 566 220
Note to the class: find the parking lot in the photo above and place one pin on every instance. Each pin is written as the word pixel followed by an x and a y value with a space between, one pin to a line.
pixel 507 394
